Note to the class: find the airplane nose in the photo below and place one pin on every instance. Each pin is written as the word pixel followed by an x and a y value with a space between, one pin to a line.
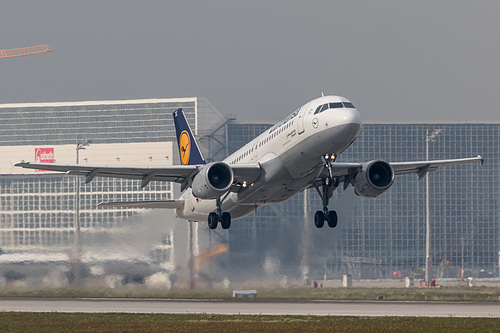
pixel 350 116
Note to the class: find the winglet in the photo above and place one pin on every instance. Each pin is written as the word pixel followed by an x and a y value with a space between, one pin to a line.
pixel 188 147
pixel 12 165
pixel 481 159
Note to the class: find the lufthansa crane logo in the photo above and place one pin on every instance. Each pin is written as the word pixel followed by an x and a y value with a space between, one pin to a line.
pixel 185 147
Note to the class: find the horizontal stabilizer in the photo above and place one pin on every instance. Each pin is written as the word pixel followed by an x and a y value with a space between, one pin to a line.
pixel 168 204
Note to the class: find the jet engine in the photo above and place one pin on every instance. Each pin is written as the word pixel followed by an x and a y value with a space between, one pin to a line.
pixel 212 181
pixel 374 179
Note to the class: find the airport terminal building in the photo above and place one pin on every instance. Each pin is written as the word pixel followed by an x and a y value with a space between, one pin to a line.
pixel 374 238
pixel 464 214
pixel 385 237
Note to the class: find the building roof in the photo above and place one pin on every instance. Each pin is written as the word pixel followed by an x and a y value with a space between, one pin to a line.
pixel 105 102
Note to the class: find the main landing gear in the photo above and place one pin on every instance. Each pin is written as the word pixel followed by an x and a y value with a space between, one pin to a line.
pixel 329 184
pixel 218 216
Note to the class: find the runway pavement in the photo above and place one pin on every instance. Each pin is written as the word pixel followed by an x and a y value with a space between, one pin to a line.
pixel 253 307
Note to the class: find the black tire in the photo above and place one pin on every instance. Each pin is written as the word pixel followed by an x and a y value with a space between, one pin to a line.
pixel 226 220
pixel 319 219
pixel 332 219
pixel 335 182
pixel 212 220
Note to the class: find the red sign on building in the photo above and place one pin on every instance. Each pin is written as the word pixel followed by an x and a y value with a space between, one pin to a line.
pixel 44 155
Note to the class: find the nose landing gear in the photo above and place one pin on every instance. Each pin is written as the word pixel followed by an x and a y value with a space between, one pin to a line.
pixel 328 185
pixel 330 216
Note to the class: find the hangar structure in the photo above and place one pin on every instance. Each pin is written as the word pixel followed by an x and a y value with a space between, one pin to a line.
pixel 39 209
pixel 375 237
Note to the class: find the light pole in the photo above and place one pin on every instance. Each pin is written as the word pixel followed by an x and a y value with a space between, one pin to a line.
pixel 305 241
pixel 78 245
pixel 428 138
pixel 462 270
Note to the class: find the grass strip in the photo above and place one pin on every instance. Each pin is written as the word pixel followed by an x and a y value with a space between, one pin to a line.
pixel 63 322
pixel 445 294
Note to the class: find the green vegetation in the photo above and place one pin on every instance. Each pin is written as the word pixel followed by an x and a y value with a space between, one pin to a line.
pixel 456 294
pixel 59 322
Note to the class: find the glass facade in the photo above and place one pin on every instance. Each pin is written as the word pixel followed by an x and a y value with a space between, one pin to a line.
pixel 39 211
pixel 239 134
pixel 464 199
pixel 376 237
pixel 102 121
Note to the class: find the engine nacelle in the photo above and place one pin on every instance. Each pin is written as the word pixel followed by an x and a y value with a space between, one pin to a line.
pixel 212 181
pixel 374 179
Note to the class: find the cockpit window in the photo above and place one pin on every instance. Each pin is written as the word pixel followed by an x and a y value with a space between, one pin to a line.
pixel 336 105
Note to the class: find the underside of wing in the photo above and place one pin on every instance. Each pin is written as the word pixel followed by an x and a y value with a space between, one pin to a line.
pixel 184 174
pixel 167 204
pixel 346 172
pixel 423 167
pixel 247 173
pixel 172 173
pixel 340 170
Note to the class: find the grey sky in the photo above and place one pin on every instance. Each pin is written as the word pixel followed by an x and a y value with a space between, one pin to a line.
pixel 396 60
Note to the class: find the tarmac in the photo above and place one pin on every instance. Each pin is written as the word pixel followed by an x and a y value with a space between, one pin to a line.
pixel 253 307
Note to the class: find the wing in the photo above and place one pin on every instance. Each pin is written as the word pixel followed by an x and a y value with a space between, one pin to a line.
pixel 346 172
pixel 172 204
pixel 172 173
pixel 423 167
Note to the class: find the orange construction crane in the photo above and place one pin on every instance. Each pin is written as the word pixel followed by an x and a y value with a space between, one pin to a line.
pixel 24 51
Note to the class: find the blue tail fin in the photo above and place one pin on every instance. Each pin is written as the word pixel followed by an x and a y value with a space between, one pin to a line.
pixel 188 147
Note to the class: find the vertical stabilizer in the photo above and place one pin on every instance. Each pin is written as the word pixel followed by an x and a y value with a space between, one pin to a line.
pixel 188 147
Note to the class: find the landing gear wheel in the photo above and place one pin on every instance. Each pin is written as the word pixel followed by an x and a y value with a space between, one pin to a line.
pixel 226 220
pixel 332 219
pixel 319 219
pixel 212 220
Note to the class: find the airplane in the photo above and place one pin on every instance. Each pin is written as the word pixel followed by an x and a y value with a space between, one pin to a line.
pixel 295 154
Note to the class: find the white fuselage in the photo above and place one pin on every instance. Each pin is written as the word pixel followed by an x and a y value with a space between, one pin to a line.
pixel 289 154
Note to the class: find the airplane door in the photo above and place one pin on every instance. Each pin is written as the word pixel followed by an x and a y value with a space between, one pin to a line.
pixel 300 118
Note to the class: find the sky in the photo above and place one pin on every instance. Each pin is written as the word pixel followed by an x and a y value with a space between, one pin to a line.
pixel 427 60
